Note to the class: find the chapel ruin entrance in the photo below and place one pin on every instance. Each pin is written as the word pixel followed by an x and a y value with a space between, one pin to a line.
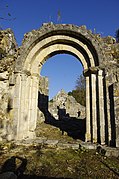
pixel 37 47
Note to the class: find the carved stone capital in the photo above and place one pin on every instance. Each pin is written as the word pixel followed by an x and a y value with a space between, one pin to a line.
pixel 90 70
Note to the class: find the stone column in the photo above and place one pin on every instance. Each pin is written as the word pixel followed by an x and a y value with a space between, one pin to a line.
pixel 30 102
pixel 33 105
pixel 108 109
pixel 20 105
pixel 94 107
pixel 88 123
pixel 116 111
pixel 26 108
pixel 16 104
pixel 101 106
pixel 23 122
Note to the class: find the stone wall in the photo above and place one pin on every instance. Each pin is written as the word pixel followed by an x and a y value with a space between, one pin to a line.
pixel 8 54
pixel 12 73
pixel 111 51
pixel 62 101
pixel 43 98
pixel 116 110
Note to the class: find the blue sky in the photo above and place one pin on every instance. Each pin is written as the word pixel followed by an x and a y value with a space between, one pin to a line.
pixel 62 70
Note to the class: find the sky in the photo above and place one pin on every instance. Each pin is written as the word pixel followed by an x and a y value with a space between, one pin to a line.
pixel 101 16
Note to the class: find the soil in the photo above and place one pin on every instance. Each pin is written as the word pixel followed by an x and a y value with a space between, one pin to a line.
pixel 37 161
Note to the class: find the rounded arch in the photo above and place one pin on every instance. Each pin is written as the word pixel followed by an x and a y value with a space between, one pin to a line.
pixel 52 39
pixel 37 63
pixel 36 48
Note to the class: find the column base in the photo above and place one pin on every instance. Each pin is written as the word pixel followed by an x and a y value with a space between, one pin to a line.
pixel 102 141
pixel 31 135
pixel 94 140
pixel 87 137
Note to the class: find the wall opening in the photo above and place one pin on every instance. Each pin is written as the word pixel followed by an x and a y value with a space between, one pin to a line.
pixel 62 71
pixel 55 105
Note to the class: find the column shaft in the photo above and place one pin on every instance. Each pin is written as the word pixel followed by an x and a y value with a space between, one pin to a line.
pixel 16 105
pixel 108 112
pixel 101 107
pixel 94 107
pixel 23 123
pixel 34 104
pixel 88 127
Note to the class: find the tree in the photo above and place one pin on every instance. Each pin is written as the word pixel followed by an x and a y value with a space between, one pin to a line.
pixel 117 35
pixel 79 93
pixel 80 82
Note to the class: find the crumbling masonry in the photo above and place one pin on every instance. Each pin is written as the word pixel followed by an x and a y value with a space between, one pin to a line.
pixel 20 79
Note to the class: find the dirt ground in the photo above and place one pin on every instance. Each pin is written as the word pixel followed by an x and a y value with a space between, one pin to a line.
pixel 49 162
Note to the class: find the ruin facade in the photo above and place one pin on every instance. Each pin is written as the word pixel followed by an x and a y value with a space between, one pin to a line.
pixel 20 78
pixel 63 101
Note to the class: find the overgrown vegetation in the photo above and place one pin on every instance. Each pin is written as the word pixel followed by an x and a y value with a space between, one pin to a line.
pixel 44 161
pixel 48 161
pixel 117 35
pixel 79 93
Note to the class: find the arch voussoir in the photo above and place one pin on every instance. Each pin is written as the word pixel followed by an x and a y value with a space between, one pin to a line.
pixel 49 40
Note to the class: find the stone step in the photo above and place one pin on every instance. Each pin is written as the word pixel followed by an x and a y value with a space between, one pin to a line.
pixel 56 143
pixel 47 143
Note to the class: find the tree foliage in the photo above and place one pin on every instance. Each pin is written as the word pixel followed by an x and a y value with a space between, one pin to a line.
pixel 79 93
pixel 80 82
pixel 117 35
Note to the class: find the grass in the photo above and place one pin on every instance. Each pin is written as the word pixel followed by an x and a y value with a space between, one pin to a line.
pixel 47 161
pixel 51 132
pixel 65 163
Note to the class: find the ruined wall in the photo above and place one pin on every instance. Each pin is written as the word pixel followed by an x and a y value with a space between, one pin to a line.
pixel 62 101
pixel 9 53
pixel 112 84
pixel 111 51
pixel 43 98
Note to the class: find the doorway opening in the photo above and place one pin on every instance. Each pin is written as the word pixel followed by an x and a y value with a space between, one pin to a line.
pixel 57 106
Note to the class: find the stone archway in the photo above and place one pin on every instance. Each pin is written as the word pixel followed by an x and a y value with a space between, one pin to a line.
pixel 37 47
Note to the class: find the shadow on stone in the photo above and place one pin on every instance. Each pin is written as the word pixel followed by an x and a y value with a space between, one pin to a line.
pixel 112 117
